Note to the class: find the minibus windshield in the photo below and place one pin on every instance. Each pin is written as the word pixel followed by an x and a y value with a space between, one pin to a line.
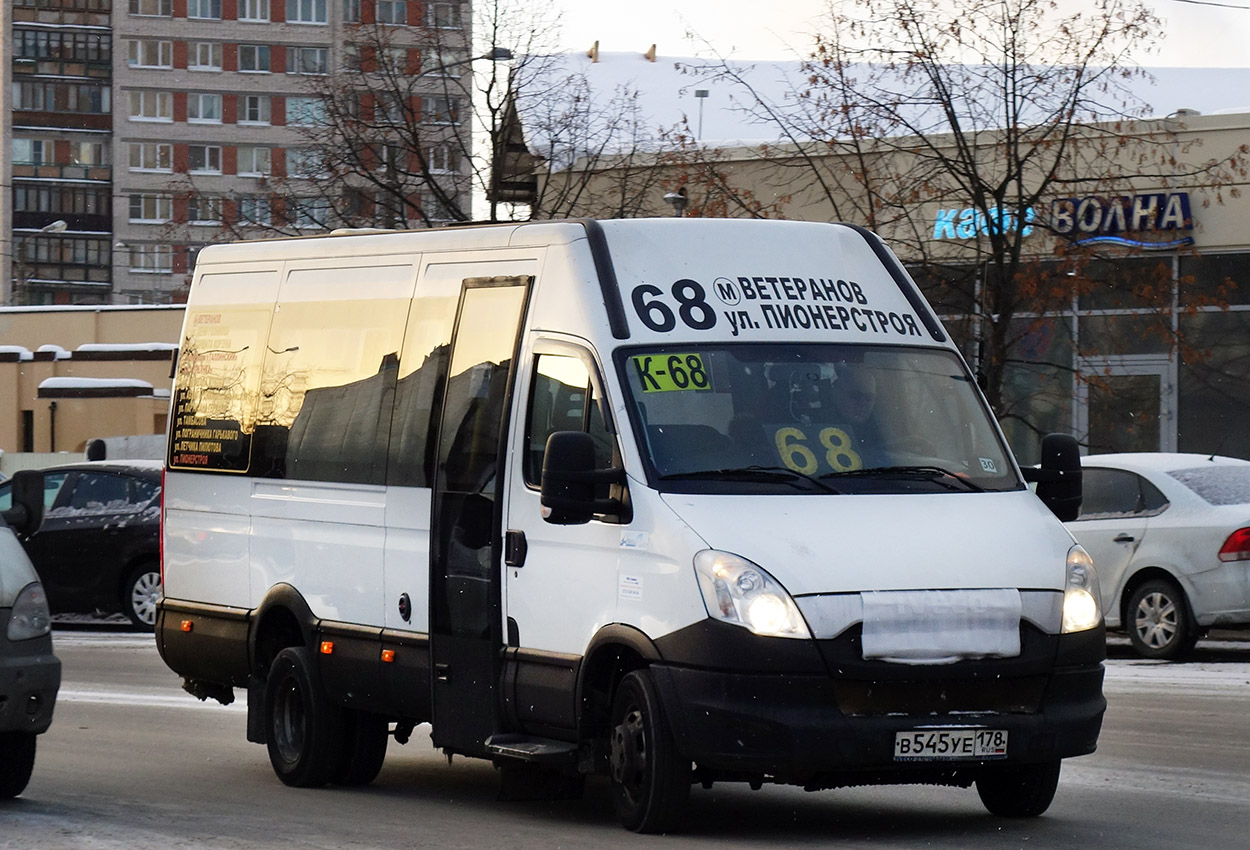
pixel 816 418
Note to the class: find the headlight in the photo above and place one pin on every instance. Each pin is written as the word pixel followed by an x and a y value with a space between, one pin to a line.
pixel 30 617
pixel 737 591
pixel 1082 598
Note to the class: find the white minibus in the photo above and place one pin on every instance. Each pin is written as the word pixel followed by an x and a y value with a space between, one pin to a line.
pixel 672 501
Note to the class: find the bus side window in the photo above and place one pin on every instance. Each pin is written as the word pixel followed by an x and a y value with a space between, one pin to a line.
pixel 561 399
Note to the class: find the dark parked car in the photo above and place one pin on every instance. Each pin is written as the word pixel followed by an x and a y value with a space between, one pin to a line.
pixel 98 548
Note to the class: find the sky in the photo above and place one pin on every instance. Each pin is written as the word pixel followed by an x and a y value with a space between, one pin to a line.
pixel 1198 35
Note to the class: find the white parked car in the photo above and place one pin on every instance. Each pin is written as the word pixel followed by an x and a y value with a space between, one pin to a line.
pixel 1170 537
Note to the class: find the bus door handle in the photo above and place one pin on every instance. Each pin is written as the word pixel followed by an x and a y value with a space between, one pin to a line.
pixel 1122 538
pixel 514 548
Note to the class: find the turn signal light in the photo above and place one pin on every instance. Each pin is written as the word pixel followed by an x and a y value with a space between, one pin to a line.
pixel 1237 546
pixel 187 625
pixel 388 655
pixel 327 647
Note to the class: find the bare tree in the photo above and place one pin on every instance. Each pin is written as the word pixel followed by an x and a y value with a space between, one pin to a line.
pixel 995 109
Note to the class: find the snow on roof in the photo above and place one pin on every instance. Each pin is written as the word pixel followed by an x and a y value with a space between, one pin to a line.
pixel 61 353
pixel 22 352
pixel 128 346
pixel 93 384
pixel 666 95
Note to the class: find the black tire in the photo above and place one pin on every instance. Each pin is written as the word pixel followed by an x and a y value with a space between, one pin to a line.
pixel 1158 621
pixel 650 779
pixel 1023 791
pixel 140 592
pixel 364 749
pixel 305 730
pixel 17 761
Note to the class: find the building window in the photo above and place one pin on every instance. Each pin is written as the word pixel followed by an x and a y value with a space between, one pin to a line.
pixel 443 159
pixel 204 56
pixel 153 8
pixel 443 15
pixel 151 106
pixel 150 209
pixel 151 259
pixel 204 9
pixel 309 213
pixel 59 46
pixel 204 159
pixel 149 53
pixel 307 60
pixel 88 153
pixel 59 198
pixel 254 161
pixel 351 11
pixel 254 209
pixel 254 58
pixel 204 209
pixel 305 111
pixel 33 152
pixel 443 63
pixel 441 110
pixel 392 11
pixel 255 109
pixel 204 108
pixel 151 156
pixel 306 11
pixel 47 96
pixel 253 10
pixel 304 162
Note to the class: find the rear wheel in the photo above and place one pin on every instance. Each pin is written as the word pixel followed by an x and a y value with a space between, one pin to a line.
pixel 1023 791
pixel 1159 623
pixel 305 730
pixel 17 761
pixel 140 593
pixel 650 779
pixel 364 749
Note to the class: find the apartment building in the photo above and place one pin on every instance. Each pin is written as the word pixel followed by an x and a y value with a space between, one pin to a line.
pixel 57 220
pixel 143 130
pixel 218 102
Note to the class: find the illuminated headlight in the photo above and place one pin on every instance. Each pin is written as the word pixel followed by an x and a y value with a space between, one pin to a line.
pixel 1082 599
pixel 30 617
pixel 737 591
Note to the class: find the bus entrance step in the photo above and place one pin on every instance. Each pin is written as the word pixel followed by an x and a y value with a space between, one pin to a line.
pixel 531 748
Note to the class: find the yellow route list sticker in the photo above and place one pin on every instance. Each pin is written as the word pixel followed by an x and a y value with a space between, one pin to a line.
pixel 664 373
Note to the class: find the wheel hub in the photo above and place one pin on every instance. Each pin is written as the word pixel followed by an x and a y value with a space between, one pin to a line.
pixel 628 753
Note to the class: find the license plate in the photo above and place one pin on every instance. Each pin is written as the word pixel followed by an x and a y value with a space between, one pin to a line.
pixel 950 744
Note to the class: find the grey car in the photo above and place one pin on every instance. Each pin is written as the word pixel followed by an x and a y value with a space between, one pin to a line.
pixel 30 674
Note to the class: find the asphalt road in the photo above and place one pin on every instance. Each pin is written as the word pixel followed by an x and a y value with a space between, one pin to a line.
pixel 133 762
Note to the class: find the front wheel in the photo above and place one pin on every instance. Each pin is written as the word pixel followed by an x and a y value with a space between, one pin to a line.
pixel 650 779
pixel 306 730
pixel 1159 623
pixel 1024 791
pixel 140 593
pixel 17 761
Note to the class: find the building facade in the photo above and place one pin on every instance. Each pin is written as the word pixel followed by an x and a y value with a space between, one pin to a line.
pixel 142 130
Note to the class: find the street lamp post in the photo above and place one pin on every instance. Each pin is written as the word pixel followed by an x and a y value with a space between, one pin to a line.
pixel 22 278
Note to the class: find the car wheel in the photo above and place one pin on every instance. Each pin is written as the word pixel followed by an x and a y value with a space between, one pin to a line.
pixel 17 761
pixel 1158 621
pixel 1023 791
pixel 364 749
pixel 650 779
pixel 305 730
pixel 140 593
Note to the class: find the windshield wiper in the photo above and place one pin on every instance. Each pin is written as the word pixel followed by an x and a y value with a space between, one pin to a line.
pixel 752 473
pixel 933 473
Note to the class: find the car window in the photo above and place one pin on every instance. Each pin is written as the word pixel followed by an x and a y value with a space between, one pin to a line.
pixel 562 399
pixel 1217 485
pixel 97 492
pixel 52 482
pixel 1113 493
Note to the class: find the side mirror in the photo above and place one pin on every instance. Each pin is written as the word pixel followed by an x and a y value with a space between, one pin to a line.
pixel 1059 478
pixel 26 514
pixel 569 479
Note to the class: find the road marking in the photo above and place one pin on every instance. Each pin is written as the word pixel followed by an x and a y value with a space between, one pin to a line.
pixel 146 699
